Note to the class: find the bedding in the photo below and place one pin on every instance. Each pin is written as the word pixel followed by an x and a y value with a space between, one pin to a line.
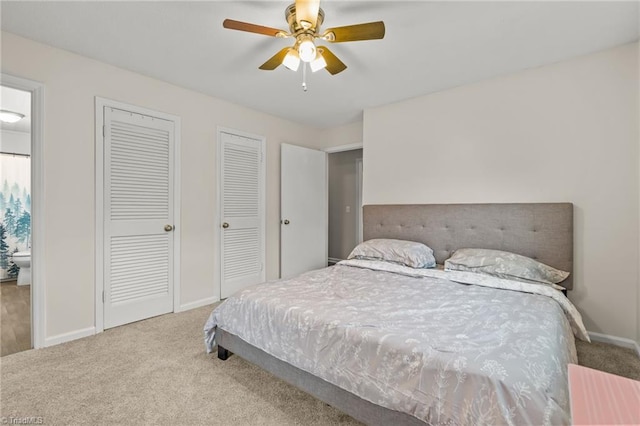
pixel 409 253
pixel 504 265
pixel 442 351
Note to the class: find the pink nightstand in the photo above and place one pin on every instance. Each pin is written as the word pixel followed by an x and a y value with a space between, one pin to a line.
pixel 599 398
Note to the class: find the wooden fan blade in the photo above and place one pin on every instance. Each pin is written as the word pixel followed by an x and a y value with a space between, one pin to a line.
pixel 307 13
pixel 334 65
pixel 253 28
pixel 275 60
pixel 368 31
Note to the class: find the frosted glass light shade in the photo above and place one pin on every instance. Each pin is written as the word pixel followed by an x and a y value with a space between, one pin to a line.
pixel 307 51
pixel 10 116
pixel 318 63
pixel 291 60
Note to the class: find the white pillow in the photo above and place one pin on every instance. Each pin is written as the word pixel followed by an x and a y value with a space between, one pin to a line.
pixel 409 253
pixel 504 264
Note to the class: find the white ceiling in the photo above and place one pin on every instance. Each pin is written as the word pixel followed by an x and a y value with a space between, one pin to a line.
pixel 429 46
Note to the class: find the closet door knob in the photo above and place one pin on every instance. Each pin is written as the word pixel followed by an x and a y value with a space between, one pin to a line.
pixel 286 222
pixel 168 228
pixel 225 225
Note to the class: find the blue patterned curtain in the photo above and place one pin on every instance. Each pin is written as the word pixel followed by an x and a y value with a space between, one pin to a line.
pixel 15 210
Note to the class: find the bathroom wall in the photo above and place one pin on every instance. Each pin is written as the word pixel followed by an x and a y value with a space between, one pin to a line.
pixel 15 142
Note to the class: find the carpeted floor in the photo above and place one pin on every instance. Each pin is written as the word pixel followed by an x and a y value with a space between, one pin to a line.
pixel 151 372
pixel 156 372
pixel 609 358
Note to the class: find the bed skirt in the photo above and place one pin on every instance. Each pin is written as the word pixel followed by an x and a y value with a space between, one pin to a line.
pixel 356 407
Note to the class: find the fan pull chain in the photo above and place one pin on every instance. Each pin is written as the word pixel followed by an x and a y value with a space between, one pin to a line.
pixel 304 76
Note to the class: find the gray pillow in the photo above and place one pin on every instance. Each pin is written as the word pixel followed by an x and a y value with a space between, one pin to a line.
pixel 503 264
pixel 409 253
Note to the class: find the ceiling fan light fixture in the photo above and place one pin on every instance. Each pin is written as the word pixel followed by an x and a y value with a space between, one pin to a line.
pixel 291 60
pixel 318 63
pixel 305 19
pixel 10 116
pixel 307 49
pixel 307 12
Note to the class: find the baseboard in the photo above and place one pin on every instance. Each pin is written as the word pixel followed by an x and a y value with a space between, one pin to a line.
pixel 198 304
pixel 67 337
pixel 615 340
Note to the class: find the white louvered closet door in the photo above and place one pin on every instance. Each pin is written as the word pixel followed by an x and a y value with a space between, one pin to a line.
pixel 138 215
pixel 242 212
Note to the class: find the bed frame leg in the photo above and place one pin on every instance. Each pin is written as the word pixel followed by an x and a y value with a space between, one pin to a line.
pixel 223 353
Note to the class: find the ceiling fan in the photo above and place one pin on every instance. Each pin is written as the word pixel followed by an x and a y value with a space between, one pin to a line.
pixel 305 18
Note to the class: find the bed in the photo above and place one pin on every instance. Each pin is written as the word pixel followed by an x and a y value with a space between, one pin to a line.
pixel 390 344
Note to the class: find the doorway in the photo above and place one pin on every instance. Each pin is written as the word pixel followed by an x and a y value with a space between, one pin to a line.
pixel 345 203
pixel 20 141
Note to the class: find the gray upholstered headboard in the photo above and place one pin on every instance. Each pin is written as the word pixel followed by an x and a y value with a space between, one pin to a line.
pixel 542 231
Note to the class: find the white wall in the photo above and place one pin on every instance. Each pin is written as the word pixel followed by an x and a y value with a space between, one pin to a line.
pixel 15 142
pixel 71 82
pixel 347 134
pixel 563 132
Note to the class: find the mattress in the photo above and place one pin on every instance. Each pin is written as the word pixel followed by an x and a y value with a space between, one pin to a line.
pixel 426 343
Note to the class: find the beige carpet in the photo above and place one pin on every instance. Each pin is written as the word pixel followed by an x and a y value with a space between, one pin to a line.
pixel 151 372
pixel 609 358
pixel 156 372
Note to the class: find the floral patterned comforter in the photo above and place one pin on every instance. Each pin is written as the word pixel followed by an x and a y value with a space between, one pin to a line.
pixel 439 350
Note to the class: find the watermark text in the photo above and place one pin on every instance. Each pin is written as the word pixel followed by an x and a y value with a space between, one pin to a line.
pixel 27 420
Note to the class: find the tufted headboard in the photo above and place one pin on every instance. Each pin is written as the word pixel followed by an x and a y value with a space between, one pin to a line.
pixel 542 231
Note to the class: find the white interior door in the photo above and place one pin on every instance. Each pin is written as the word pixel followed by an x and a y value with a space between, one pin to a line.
pixel 304 225
pixel 138 216
pixel 359 222
pixel 242 199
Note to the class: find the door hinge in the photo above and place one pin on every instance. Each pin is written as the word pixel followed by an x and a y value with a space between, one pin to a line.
pixel 261 267
pixel 103 297
pixel 104 131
